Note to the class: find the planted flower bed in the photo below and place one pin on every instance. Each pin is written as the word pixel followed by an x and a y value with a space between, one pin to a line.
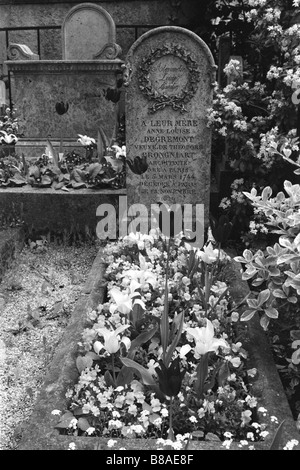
pixel 61 191
pixel 163 359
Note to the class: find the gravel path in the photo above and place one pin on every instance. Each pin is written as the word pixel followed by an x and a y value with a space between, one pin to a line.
pixel 37 296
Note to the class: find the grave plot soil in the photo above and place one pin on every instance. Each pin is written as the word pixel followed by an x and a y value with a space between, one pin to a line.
pixel 37 296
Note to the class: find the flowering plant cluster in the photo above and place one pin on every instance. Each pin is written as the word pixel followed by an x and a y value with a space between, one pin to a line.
pixel 9 127
pixel 254 117
pixel 163 357
pixel 104 169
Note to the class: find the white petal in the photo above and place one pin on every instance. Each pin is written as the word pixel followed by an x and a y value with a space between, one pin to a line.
pixel 126 341
pixel 98 346
pixel 184 350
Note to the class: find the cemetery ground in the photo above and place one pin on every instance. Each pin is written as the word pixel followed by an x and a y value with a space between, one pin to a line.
pixel 148 342
pixel 38 293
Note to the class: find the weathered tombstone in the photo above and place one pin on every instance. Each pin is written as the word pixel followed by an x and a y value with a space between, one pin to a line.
pixel 88 33
pixel 84 82
pixel 168 77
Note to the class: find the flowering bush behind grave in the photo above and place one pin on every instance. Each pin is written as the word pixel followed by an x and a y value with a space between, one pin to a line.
pixel 273 274
pixel 254 118
pixel 164 357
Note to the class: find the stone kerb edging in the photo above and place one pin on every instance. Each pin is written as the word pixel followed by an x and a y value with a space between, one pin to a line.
pixel 11 243
pixel 39 432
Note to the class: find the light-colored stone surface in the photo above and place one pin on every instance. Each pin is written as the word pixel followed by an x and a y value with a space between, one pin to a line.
pixel 131 12
pixel 123 12
pixel 86 30
pixel 21 52
pixel 170 73
pixel 38 85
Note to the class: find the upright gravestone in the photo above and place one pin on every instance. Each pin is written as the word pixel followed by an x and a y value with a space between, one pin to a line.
pixel 169 75
pixel 89 33
pixel 85 80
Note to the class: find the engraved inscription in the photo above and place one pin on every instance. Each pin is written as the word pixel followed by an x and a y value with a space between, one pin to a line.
pixel 169 75
pixel 171 147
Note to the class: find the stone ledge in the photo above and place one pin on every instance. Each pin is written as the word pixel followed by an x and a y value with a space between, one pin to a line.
pixel 64 66
pixel 46 209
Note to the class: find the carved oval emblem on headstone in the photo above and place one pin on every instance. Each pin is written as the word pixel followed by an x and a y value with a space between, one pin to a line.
pixel 169 76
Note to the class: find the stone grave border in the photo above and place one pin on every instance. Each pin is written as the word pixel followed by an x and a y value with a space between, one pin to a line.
pixel 39 432
pixel 11 243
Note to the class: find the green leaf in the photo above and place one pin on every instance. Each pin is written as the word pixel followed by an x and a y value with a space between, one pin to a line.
pixel 264 321
pixel 52 153
pixel 83 424
pixel 46 180
pixel 78 185
pixel 277 438
pixel 249 274
pixel 83 362
pixel 17 181
pixel 271 312
pixel 267 192
pixel 139 340
pixel 278 293
pixel 144 373
pixel 34 171
pixel 202 373
pixel 59 185
pixel 124 377
pixel 223 373
pixel 248 255
pixel 164 324
pixel 136 316
pixel 176 339
pixel 263 297
pixel 65 420
pixel 258 281
pixel 252 303
pixel 240 259
pixel 104 137
pixel 109 379
pixel 287 258
pixel 94 169
pixel 247 315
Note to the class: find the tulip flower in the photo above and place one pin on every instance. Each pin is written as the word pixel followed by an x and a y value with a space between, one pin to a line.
pixel 123 302
pixel 8 138
pixel 142 276
pixel 61 108
pixel 205 340
pixel 112 339
pixel 140 239
pixel 138 165
pixel 112 343
pixel 86 141
pixel 119 151
pixel 209 255
pixel 170 378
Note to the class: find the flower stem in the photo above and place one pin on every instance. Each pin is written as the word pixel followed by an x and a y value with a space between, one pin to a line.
pixel 113 367
pixel 171 432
